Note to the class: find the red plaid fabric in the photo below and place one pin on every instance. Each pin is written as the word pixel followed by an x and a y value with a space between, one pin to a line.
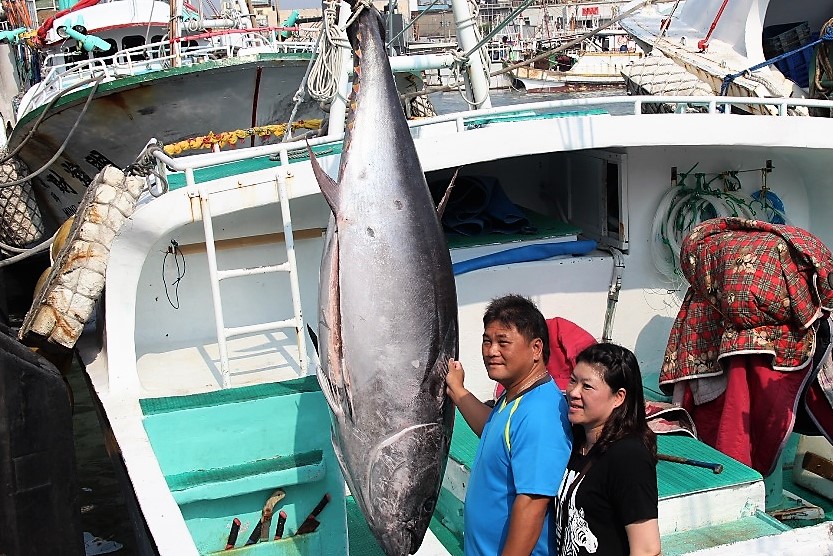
pixel 756 288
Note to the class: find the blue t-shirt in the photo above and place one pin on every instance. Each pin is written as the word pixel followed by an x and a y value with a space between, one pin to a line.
pixel 530 461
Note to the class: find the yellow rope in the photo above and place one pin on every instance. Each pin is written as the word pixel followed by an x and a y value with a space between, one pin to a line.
pixel 231 137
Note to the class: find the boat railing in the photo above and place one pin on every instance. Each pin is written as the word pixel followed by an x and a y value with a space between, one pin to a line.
pixel 466 121
pixel 145 58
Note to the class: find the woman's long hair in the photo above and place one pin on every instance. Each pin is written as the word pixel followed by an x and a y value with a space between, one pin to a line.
pixel 619 368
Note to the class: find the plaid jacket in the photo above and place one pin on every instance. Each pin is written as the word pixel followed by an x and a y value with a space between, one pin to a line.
pixel 755 288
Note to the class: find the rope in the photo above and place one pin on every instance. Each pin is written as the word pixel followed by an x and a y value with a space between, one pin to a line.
pixel 823 66
pixel 683 207
pixel 43 114
pixel 827 35
pixel 298 97
pixel 28 253
pixel 231 137
pixel 93 89
pixel 358 8
pixel 146 166
pixel 322 84
pixel 180 272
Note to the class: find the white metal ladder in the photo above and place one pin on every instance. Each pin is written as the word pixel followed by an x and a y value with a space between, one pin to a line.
pixel 290 266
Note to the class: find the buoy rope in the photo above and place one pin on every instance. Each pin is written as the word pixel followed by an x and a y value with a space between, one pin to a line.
pixel 231 137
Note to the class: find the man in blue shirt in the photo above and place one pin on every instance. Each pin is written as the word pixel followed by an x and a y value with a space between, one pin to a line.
pixel 525 439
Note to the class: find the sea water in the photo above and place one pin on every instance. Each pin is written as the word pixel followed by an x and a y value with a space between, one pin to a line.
pixel 455 101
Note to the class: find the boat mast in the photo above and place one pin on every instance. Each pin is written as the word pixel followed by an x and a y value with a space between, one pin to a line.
pixel 476 77
pixel 174 31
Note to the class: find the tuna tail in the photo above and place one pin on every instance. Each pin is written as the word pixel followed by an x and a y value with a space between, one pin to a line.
pixel 363 5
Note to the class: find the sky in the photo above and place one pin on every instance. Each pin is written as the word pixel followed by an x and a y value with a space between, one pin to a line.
pixel 294 4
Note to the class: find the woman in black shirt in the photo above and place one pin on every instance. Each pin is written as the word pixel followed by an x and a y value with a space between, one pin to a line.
pixel 607 502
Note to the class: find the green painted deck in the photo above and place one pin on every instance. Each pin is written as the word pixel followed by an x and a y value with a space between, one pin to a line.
pixel 546 227
pixel 759 525
pixel 673 479
pixel 277 435
pixel 525 115
pixel 177 181
pixel 214 482
pixel 224 453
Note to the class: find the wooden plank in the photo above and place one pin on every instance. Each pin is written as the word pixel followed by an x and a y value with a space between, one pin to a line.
pixel 251 241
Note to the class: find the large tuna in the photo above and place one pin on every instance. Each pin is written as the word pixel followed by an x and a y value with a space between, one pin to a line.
pixel 388 320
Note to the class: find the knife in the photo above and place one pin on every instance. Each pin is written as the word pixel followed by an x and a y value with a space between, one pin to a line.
pixel 310 524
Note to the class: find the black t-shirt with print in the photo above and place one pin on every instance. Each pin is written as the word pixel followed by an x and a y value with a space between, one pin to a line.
pixel 619 488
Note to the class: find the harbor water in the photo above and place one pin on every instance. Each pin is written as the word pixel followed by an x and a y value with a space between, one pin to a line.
pixel 103 510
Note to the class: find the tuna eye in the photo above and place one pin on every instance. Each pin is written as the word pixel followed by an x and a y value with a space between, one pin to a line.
pixel 428 507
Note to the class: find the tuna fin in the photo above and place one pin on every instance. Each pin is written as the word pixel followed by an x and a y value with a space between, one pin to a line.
pixel 337 395
pixel 329 187
pixel 314 338
pixel 327 389
pixel 333 375
pixel 447 195
pixel 434 379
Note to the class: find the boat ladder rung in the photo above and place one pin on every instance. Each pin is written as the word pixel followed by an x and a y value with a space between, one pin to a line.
pixel 236 272
pixel 256 328
pixel 216 275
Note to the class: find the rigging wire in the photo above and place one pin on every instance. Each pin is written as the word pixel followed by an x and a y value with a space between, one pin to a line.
pixel 96 81
pixel 43 246
pixel 43 114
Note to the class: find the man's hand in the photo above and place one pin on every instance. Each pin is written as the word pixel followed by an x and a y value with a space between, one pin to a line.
pixel 454 380
pixel 473 410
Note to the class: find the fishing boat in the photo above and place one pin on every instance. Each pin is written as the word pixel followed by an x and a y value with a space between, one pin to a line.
pixel 98 78
pixel 747 48
pixel 591 69
pixel 203 371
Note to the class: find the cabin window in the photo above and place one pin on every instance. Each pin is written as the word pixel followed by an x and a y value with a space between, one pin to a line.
pixel 160 50
pixel 132 41
pixel 109 52
pixel 73 55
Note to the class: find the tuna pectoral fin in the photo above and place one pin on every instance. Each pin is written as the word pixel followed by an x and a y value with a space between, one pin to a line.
pixel 337 395
pixel 447 195
pixel 329 187
pixel 314 337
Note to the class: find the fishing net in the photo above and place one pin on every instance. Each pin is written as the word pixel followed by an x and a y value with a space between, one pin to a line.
pixel 20 218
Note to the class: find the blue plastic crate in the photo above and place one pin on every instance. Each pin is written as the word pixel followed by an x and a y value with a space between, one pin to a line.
pixel 797 67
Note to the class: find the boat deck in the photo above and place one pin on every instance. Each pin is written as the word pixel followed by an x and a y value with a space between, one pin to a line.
pixel 254 359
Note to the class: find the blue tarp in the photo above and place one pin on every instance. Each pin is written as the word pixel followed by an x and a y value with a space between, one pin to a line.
pixel 525 253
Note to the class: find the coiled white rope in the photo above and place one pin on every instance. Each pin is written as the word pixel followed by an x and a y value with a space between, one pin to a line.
pixel 682 208
pixel 322 83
